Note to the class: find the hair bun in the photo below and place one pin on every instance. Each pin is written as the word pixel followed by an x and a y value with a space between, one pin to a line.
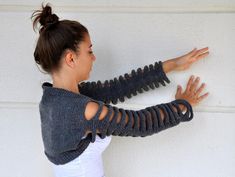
pixel 44 17
pixel 47 17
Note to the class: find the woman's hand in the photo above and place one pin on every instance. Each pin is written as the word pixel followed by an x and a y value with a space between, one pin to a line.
pixel 191 94
pixel 185 61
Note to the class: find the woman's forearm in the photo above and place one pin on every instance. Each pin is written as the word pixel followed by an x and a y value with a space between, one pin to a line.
pixel 168 65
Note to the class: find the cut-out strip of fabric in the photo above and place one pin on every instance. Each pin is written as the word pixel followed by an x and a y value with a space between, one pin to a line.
pixel 140 123
pixel 151 76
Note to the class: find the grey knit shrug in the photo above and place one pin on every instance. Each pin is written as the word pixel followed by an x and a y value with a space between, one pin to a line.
pixel 62 113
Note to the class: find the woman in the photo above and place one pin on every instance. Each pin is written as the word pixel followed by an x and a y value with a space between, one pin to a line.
pixel 76 119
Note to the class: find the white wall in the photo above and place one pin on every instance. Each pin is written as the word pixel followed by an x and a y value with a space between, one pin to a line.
pixel 127 35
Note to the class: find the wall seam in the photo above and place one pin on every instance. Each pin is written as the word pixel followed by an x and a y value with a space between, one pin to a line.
pixel 209 109
pixel 125 9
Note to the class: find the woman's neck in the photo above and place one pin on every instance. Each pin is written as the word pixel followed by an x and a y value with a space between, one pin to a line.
pixel 67 83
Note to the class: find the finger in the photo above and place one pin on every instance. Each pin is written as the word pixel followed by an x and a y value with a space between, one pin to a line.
pixel 192 52
pixel 189 83
pixel 202 55
pixel 203 96
pixel 179 90
pixel 201 51
pixel 200 89
pixel 199 57
pixel 195 84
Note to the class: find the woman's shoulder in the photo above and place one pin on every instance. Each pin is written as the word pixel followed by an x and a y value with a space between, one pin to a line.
pixel 59 95
pixel 60 101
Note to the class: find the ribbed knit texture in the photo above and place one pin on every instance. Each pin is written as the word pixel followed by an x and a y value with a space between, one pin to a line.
pixel 63 123
pixel 138 81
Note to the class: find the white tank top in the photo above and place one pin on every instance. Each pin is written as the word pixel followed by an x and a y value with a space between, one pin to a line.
pixel 88 164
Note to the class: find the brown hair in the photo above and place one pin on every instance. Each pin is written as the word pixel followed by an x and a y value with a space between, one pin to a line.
pixel 55 37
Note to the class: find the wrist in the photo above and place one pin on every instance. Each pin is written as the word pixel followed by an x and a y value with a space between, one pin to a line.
pixel 168 65
pixel 182 107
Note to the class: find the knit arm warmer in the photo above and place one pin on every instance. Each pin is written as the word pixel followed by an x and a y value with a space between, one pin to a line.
pixel 141 123
pixel 112 90
pixel 67 117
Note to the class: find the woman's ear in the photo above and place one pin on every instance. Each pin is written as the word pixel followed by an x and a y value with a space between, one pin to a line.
pixel 69 57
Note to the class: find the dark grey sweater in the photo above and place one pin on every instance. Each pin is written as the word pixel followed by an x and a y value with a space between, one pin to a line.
pixel 63 123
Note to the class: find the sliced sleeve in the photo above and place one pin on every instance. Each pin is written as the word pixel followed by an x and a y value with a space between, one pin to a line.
pixel 109 120
pixel 138 81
